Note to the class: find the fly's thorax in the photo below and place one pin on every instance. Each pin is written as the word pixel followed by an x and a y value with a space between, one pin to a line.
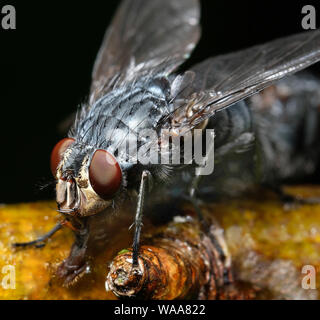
pixel 124 111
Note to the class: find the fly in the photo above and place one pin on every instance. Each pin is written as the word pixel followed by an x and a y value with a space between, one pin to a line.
pixel 135 89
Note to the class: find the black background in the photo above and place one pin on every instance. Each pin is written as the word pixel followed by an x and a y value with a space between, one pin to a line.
pixel 45 68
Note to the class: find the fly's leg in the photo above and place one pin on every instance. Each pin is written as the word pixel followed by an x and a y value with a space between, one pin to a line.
pixel 145 177
pixel 40 241
pixel 222 250
pixel 309 200
pixel 195 183
pixel 291 199
pixel 204 223
pixel 192 198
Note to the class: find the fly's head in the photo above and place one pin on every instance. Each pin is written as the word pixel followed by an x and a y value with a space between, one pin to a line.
pixel 87 178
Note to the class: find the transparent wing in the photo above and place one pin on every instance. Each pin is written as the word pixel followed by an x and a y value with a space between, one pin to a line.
pixel 223 80
pixel 145 37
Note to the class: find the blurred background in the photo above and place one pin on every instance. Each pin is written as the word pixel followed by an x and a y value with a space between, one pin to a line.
pixel 46 63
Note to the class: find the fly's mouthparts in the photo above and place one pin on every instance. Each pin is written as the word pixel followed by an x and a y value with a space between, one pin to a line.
pixel 69 211
pixel 68 196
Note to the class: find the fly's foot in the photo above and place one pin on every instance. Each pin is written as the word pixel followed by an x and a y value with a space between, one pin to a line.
pixel 73 268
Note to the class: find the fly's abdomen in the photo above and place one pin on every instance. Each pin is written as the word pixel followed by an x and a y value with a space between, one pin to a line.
pixel 231 123
pixel 287 125
pixel 281 132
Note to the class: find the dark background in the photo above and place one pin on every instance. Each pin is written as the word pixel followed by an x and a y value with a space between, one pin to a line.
pixel 45 68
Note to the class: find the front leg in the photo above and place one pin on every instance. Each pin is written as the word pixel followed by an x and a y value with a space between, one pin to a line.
pixel 40 242
pixel 145 179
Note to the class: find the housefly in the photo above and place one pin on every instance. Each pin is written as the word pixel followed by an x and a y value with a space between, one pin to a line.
pixel 136 88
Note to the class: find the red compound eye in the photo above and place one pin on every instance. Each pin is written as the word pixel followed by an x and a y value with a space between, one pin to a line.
pixel 57 153
pixel 104 174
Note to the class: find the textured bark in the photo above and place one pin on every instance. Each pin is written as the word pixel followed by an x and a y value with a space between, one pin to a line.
pixel 182 260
